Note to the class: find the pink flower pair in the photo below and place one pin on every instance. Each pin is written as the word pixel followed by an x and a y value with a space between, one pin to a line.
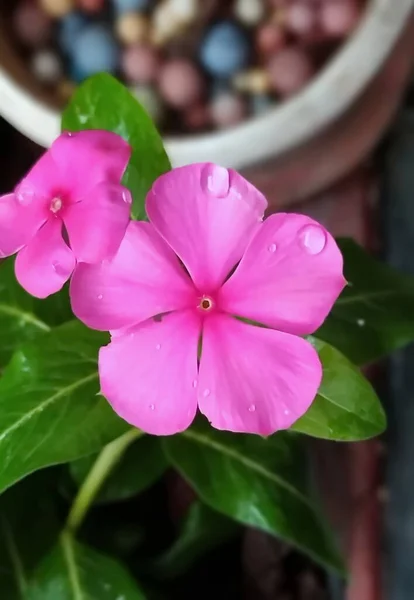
pixel 70 208
pixel 181 293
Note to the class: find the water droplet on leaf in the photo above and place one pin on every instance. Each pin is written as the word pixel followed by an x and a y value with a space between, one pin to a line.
pixel 361 322
pixel 313 238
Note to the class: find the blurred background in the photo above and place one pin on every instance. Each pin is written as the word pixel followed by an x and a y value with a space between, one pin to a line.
pixel 313 100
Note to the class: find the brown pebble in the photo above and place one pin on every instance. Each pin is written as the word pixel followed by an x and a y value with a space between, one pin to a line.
pixel 290 70
pixel 227 109
pixel 180 83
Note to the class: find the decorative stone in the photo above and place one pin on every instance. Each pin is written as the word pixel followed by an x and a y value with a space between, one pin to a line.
pixel 57 8
pixel 227 110
pixel 66 89
pixel 254 81
pixel 269 39
pixel 132 28
pixel 197 117
pixel 290 70
pixel 91 6
pixel 339 17
pixel 261 103
pixel 249 12
pixel 225 50
pixel 95 51
pixel 150 100
pixel 171 17
pixel 46 66
pixel 140 64
pixel 131 5
pixel 31 24
pixel 70 27
pixel 301 17
pixel 180 83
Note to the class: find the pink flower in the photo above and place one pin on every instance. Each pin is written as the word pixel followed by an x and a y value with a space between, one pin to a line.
pixel 70 207
pixel 287 275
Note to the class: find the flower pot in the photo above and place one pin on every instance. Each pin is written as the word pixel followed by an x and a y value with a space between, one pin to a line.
pixel 298 147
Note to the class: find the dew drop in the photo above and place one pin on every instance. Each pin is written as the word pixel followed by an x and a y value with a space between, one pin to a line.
pixel 287 412
pixel 100 296
pixel 195 383
pixel 206 393
pixel 152 407
pixel 313 238
pixel 252 407
pixel 59 269
pixel 216 180
pixel 126 197
pixel 272 248
pixel 24 196
pixel 158 347
pixel 361 322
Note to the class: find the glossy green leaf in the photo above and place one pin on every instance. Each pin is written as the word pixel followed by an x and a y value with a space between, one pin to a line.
pixel 375 314
pixel 75 572
pixel 203 530
pixel 258 482
pixel 23 317
pixel 50 408
pixel 102 102
pixel 28 530
pixel 142 464
pixel 346 407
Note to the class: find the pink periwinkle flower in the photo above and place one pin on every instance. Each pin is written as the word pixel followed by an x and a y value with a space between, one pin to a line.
pixel 70 208
pixel 205 261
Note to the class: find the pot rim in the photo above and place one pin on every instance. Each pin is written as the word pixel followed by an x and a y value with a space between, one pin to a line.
pixel 325 99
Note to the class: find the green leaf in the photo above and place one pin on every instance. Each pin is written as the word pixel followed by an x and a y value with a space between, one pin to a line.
pixel 346 407
pixel 203 530
pixel 142 464
pixel 23 317
pixel 258 482
pixel 102 102
pixel 50 408
pixel 28 529
pixel 375 314
pixel 75 572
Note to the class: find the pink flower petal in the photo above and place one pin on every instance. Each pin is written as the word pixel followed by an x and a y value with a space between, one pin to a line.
pixel 144 279
pixel 148 374
pixel 41 183
pixel 46 263
pixel 289 277
pixel 18 223
pixel 255 380
pixel 97 225
pixel 207 214
pixel 86 158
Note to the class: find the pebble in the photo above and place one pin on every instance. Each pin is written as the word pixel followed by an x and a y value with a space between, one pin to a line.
pixel 197 117
pixel 150 100
pixel 225 50
pixel 91 6
pixel 140 63
pixel 270 38
pixel 65 89
pixel 249 12
pixel 47 66
pixel 227 110
pixel 290 70
pixel 254 81
pixel 130 5
pixel 261 103
pixel 339 17
pixel 69 28
pixel 132 28
pixel 32 25
pixel 95 51
pixel 180 83
pixel 57 8
pixel 301 17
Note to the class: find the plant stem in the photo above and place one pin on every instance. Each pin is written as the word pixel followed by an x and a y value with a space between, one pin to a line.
pixel 100 471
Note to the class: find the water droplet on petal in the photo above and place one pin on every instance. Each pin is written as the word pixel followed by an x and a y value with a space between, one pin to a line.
pixel 216 180
pixel 287 412
pixel 252 407
pixel 126 197
pixel 361 322
pixel 272 248
pixel 313 238
pixel 158 347
pixel 100 296
pixel 152 407
pixel 195 383
pixel 24 196
pixel 206 393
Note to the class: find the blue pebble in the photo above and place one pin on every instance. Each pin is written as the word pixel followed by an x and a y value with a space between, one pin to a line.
pixel 131 5
pixel 225 50
pixel 70 26
pixel 95 51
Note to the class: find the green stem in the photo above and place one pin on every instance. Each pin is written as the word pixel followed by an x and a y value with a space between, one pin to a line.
pixel 101 469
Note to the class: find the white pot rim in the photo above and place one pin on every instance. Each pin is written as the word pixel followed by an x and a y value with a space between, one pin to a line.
pixel 294 122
